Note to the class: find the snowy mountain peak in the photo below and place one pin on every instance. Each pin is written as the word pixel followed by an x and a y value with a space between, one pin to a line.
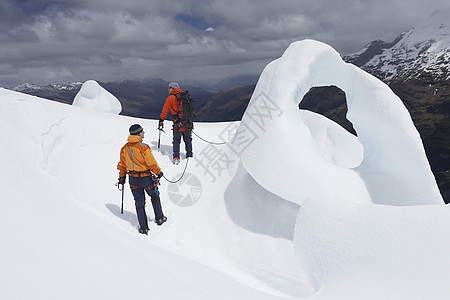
pixel 26 87
pixel 68 86
pixel 29 87
pixel 424 48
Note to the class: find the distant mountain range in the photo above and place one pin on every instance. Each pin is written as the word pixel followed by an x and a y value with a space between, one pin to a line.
pixel 58 92
pixel 145 98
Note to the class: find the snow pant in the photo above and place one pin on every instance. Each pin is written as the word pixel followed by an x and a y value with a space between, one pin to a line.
pixel 138 186
pixel 182 129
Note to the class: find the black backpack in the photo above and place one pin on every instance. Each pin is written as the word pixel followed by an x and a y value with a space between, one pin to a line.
pixel 187 108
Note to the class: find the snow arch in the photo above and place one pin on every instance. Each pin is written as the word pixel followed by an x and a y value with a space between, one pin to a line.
pixel 278 148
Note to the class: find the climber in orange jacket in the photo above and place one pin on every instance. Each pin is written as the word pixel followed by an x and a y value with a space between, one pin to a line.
pixel 136 160
pixel 181 128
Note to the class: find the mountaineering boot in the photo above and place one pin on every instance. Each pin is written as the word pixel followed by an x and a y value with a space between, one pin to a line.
pixel 143 230
pixel 176 161
pixel 161 220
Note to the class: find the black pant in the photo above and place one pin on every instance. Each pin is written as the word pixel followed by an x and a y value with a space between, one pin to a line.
pixel 184 131
pixel 138 186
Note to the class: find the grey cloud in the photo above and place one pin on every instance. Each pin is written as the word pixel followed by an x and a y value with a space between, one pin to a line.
pixel 104 40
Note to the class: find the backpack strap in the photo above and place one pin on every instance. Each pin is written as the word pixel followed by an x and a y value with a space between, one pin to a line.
pixel 177 115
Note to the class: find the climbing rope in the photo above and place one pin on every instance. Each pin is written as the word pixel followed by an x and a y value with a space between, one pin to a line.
pixel 185 167
pixel 187 160
pixel 214 143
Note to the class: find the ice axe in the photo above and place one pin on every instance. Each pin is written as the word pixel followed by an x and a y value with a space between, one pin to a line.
pixel 118 186
pixel 159 138
pixel 121 207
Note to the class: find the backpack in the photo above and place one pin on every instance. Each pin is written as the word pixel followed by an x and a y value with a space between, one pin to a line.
pixel 187 109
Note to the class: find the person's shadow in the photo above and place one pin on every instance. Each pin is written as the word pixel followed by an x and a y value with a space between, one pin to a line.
pixel 127 215
pixel 165 150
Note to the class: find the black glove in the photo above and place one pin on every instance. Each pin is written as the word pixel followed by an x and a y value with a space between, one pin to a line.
pixel 122 180
pixel 161 124
pixel 160 175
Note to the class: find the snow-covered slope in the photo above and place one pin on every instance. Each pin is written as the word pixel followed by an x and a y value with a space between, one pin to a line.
pixel 232 233
pixel 61 231
pixel 425 48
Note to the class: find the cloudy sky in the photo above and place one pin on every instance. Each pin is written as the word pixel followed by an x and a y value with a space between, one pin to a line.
pixel 46 41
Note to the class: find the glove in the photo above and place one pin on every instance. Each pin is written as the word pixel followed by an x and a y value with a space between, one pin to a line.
pixel 160 175
pixel 161 124
pixel 122 180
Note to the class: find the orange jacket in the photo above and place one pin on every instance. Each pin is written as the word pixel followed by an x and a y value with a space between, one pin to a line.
pixel 171 105
pixel 136 156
